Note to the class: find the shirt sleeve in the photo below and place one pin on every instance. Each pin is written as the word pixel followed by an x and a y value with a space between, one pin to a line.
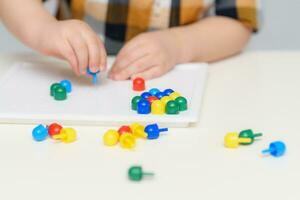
pixel 247 12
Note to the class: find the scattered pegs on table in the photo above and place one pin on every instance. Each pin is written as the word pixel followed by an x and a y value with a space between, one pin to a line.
pixel 138 130
pixel 66 135
pixel 136 173
pixel 153 131
pixel 232 140
pixel 249 134
pixel 275 149
pixel 127 141
pixel 40 133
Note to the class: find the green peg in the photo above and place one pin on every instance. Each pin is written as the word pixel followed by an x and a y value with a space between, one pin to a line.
pixel 60 93
pixel 182 102
pixel 249 134
pixel 136 173
pixel 53 87
pixel 172 108
pixel 135 101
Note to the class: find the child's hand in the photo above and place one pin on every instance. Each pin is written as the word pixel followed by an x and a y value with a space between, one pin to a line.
pixel 148 55
pixel 76 42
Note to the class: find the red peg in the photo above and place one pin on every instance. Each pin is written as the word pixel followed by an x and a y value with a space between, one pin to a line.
pixel 54 129
pixel 124 129
pixel 151 99
pixel 138 84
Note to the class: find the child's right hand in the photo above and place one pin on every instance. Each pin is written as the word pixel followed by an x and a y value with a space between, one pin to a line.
pixel 76 42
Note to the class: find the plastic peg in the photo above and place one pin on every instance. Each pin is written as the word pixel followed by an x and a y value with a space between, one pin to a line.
pixel 249 134
pixel 143 107
pixel 136 173
pixel 138 130
pixel 168 91
pixel 111 137
pixel 93 74
pixel 66 135
pixel 138 84
pixel 174 95
pixel 154 91
pixel 134 102
pixel 232 140
pixel 66 84
pixel 182 103
pixel 153 131
pixel 275 149
pixel 54 129
pixel 157 107
pixel 40 133
pixel 127 141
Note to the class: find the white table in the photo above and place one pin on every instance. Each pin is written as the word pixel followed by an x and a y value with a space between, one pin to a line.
pixel 258 90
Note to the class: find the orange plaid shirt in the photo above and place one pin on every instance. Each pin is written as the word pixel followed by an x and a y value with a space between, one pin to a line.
pixel 117 21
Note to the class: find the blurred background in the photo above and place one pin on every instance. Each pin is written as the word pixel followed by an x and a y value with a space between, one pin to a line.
pixel 280 29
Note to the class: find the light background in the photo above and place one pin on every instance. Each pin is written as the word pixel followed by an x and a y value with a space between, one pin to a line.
pixel 280 29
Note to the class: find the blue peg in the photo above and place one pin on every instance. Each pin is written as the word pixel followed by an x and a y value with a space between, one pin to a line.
pixel 276 149
pixel 40 133
pixel 66 84
pixel 93 74
pixel 143 107
pixel 154 91
pixel 145 95
pixel 168 91
pixel 160 95
pixel 153 131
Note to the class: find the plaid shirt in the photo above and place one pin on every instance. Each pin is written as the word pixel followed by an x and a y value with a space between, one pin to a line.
pixel 117 21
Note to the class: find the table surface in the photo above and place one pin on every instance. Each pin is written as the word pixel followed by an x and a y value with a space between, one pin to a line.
pixel 258 90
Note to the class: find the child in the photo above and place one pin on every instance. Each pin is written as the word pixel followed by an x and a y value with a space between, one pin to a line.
pixel 149 36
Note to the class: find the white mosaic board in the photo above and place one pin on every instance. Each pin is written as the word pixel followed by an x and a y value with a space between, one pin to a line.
pixel 25 97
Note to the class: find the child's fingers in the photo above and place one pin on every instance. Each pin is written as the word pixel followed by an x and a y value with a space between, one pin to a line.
pixel 67 53
pixel 125 60
pixel 151 73
pixel 81 50
pixel 133 45
pixel 103 55
pixel 135 67
pixel 93 50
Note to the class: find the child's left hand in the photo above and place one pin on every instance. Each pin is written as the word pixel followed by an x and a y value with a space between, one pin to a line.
pixel 149 55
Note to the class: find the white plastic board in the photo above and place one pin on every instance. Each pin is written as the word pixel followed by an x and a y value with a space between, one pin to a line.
pixel 25 97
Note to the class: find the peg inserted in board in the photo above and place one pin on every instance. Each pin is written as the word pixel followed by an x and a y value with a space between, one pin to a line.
pixel 154 91
pixel 138 84
pixel 143 107
pixel 66 84
pixel 158 107
pixel 168 91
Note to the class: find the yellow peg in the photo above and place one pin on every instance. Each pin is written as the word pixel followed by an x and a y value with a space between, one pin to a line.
pixel 138 130
pixel 66 135
pixel 127 141
pixel 111 138
pixel 232 140
pixel 158 107
pixel 174 95
pixel 165 100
